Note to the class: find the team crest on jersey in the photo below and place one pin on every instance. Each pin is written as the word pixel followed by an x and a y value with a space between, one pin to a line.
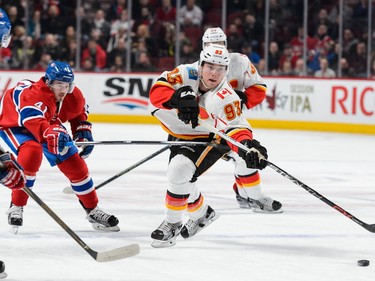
pixel 193 73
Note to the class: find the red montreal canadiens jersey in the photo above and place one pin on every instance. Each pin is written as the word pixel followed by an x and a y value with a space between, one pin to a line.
pixel 33 105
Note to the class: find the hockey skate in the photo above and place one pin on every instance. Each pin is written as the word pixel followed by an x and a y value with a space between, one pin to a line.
pixel 192 227
pixel 262 205
pixel 2 270
pixel 165 235
pixel 102 221
pixel 15 217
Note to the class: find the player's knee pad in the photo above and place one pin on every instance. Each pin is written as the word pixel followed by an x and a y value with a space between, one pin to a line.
pixel 74 168
pixel 30 156
pixel 180 169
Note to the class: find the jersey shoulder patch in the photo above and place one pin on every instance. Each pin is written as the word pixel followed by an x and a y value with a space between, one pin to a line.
pixel 192 73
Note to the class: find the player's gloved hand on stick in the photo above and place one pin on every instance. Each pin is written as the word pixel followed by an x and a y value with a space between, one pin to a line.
pixel 185 101
pixel 255 159
pixel 82 134
pixel 58 139
pixel 11 174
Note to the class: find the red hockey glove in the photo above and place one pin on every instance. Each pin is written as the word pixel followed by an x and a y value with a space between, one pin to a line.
pixel 58 139
pixel 11 173
pixel 255 159
pixel 82 134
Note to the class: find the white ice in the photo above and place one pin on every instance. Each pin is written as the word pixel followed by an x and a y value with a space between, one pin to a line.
pixel 309 241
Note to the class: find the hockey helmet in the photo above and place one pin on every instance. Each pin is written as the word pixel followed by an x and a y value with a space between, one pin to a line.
pixel 215 54
pixel 213 35
pixel 59 71
pixel 5 28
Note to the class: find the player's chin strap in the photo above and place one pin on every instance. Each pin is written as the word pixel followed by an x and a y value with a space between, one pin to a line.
pixel 369 227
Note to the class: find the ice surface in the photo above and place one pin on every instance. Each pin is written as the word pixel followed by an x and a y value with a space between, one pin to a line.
pixel 309 241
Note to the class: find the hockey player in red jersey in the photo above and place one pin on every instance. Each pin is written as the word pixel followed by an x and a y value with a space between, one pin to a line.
pixel 179 97
pixel 32 115
pixel 251 88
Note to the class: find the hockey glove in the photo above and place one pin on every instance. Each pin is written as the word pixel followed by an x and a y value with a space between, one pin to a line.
pixel 243 97
pixel 185 101
pixel 82 134
pixel 255 159
pixel 58 139
pixel 11 173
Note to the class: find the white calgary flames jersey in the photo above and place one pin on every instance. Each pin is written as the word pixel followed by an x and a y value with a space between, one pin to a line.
pixel 220 107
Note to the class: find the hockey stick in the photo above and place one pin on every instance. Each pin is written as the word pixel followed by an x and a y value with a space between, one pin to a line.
pixel 369 227
pixel 112 255
pixel 119 142
pixel 69 190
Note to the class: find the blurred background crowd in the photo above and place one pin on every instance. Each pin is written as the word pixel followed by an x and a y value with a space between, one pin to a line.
pixel 154 35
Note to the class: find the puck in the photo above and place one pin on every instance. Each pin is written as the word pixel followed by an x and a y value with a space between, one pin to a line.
pixel 363 262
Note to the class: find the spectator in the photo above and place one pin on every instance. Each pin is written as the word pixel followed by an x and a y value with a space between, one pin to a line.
pixel 35 26
pixel 97 55
pixel 144 64
pixel 99 23
pixel 191 14
pixel 43 63
pixel 297 43
pixel 323 19
pixel 299 68
pixel 349 42
pixel 235 40
pixel 50 46
pixel 287 69
pixel 88 65
pixel 187 53
pixel 53 22
pixel 118 65
pixel 358 60
pixel 14 17
pixel 121 23
pixel 253 56
pixel 287 56
pixel 346 70
pixel 325 71
pixel 119 50
pixel 166 13
pixel 167 42
pixel 273 58
pixel 252 31
pixel 115 10
pixel 69 54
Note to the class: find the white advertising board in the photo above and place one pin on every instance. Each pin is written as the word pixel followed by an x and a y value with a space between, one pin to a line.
pixel 338 101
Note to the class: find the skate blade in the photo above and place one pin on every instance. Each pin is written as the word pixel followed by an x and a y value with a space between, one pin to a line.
pixel 3 275
pixel 261 211
pixel 100 227
pixel 13 229
pixel 163 244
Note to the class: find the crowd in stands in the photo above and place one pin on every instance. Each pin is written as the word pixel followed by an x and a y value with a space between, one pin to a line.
pixel 49 33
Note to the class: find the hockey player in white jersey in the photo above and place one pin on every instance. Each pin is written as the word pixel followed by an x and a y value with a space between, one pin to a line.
pixel 179 97
pixel 251 88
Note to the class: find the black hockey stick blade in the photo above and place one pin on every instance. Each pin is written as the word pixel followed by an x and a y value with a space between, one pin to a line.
pixel 115 254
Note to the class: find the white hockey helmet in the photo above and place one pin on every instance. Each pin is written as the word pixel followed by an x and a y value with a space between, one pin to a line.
pixel 213 35
pixel 215 54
